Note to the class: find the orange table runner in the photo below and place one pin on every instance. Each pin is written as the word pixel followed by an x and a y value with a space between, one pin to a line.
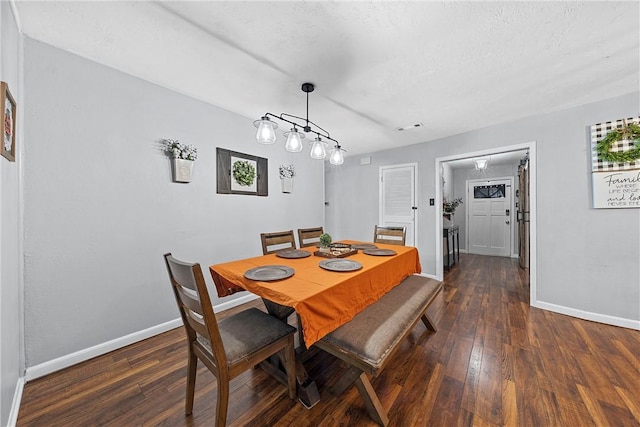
pixel 323 299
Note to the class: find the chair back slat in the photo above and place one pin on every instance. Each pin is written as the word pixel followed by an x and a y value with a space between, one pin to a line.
pixel 191 302
pixel 198 325
pixel 195 305
pixel 273 242
pixel 309 236
pixel 183 275
pixel 390 235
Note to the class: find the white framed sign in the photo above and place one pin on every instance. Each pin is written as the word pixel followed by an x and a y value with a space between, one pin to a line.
pixel 616 189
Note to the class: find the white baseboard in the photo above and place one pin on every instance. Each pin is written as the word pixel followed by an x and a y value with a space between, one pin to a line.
pixel 587 315
pixel 430 276
pixel 62 362
pixel 15 405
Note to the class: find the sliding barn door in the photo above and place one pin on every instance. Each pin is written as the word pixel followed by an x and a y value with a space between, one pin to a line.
pixel 523 214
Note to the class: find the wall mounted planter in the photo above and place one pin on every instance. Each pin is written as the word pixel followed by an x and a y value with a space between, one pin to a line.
pixel 286 185
pixel 182 170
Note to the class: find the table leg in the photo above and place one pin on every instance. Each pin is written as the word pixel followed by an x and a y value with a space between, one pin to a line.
pixel 307 389
pixel 457 253
pixel 446 235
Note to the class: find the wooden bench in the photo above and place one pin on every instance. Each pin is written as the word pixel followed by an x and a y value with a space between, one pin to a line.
pixel 369 340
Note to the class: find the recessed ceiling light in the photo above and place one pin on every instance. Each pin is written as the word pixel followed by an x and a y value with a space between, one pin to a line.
pixel 481 163
pixel 413 126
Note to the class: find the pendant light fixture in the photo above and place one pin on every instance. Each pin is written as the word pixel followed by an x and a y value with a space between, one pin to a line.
pixel 294 140
pixel 318 149
pixel 266 133
pixel 266 130
pixel 336 157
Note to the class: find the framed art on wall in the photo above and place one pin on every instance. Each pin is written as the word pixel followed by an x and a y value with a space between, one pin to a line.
pixel 8 119
pixel 239 173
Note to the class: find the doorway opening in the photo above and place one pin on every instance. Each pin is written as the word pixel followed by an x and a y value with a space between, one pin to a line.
pixel 443 162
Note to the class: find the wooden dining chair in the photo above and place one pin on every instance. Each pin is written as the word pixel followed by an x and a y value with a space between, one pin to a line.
pixel 231 346
pixel 390 235
pixel 309 236
pixel 273 242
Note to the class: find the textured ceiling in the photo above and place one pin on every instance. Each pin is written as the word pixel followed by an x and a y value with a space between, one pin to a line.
pixel 377 66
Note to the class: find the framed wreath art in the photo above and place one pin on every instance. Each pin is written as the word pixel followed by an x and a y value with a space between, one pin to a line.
pixel 244 173
pixel 240 173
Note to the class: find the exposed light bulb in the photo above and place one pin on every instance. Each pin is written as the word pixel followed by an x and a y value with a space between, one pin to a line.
pixel 318 150
pixel 336 157
pixel 266 133
pixel 294 141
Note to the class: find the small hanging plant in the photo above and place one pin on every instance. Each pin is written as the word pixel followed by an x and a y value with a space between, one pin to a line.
pixel 287 171
pixel 178 150
pixel 630 132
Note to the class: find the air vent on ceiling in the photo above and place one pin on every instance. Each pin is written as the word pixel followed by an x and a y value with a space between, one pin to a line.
pixel 413 126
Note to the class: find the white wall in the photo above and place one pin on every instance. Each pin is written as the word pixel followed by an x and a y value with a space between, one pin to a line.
pixel 588 259
pixel 11 358
pixel 100 207
pixel 448 182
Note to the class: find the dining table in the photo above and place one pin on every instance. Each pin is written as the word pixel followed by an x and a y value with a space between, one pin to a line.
pixel 324 299
pixel 324 290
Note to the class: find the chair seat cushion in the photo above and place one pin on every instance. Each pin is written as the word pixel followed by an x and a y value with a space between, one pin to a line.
pixel 376 330
pixel 246 332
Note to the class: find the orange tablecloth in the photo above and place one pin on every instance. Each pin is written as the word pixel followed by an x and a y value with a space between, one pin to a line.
pixel 323 299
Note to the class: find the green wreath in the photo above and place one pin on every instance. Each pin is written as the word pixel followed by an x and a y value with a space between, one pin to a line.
pixel 244 173
pixel 632 133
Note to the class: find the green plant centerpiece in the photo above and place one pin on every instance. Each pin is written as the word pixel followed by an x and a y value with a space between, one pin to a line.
pixel 325 241
pixel 244 173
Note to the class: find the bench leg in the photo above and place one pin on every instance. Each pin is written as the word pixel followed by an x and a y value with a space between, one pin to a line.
pixel 430 324
pixel 372 403
pixel 346 381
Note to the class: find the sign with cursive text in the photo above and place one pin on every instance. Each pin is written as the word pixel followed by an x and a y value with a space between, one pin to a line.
pixel 616 189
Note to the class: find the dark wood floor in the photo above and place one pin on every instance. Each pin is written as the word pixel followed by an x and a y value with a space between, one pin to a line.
pixel 494 361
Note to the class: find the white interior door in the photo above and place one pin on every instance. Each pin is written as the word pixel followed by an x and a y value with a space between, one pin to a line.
pixel 489 217
pixel 397 198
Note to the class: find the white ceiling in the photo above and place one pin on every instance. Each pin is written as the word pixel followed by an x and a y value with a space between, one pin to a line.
pixel 453 66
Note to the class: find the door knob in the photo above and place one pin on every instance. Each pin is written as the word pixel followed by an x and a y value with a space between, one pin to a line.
pixel 506 222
